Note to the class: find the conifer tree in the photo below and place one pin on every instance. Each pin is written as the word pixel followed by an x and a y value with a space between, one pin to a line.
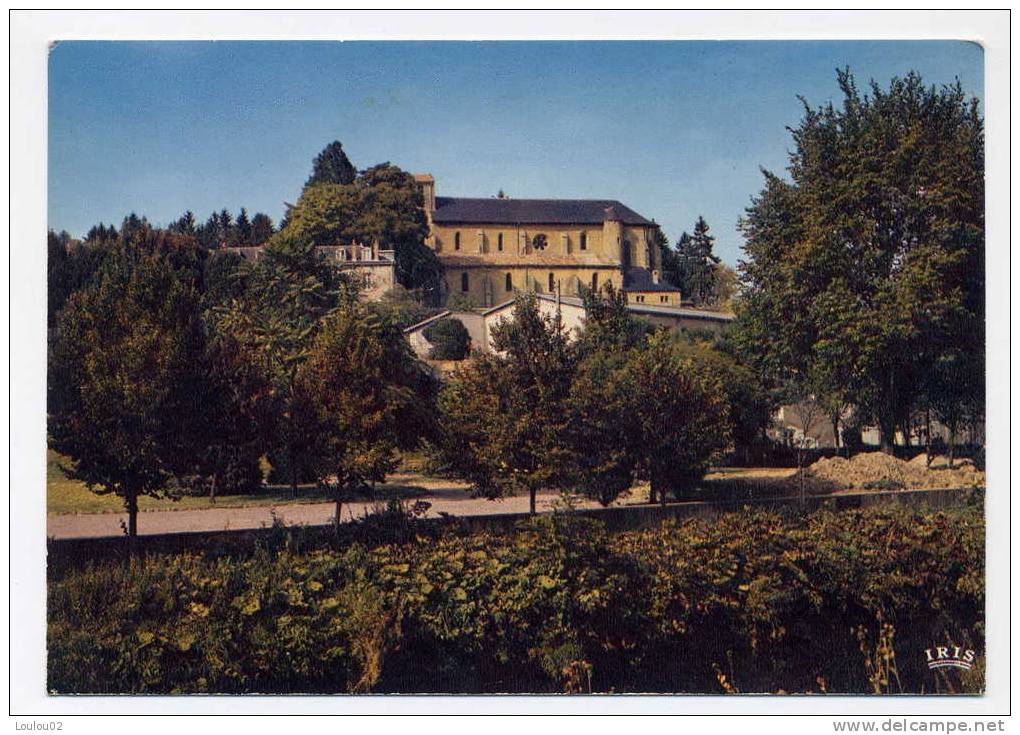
pixel 243 229
pixel 261 229
pixel 332 166
pixel 697 263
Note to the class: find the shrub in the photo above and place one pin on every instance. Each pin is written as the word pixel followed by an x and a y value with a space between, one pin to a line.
pixel 749 602
pixel 449 338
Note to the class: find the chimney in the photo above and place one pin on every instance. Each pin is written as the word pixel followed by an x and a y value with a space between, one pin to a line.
pixel 428 193
pixel 655 276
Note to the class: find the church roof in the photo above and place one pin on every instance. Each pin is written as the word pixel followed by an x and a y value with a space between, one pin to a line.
pixel 462 210
pixel 640 279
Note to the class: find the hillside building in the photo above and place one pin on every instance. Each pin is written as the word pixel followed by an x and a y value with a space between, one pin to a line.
pixel 491 248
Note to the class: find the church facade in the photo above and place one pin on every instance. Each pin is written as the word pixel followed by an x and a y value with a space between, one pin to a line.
pixel 491 248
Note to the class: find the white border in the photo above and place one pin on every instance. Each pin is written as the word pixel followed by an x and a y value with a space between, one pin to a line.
pixel 29 34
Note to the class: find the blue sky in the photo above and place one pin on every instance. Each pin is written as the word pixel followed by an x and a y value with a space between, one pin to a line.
pixel 672 129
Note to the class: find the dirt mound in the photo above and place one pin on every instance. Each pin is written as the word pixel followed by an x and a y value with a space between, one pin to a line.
pixel 879 471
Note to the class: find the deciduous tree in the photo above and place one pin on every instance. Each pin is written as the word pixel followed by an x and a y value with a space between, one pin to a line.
pixel 865 271
pixel 505 415
pixel 126 379
pixel 371 397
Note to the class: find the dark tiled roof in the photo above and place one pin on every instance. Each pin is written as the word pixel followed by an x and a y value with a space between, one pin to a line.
pixel 459 210
pixel 640 279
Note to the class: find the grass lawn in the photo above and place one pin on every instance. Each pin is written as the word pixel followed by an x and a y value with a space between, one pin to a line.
pixel 70 496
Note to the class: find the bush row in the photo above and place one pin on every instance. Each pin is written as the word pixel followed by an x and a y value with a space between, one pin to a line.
pixel 750 602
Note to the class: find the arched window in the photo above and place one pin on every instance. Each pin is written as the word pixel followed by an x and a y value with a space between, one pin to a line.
pixel 594 281
pixel 552 283
pixel 463 281
pixel 583 241
pixel 499 244
pixel 509 282
pixel 456 241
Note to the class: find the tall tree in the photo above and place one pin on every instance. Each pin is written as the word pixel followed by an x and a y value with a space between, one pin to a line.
pixel 185 224
pixel 261 229
pixel 677 412
pixel 697 264
pixel 243 228
pixel 332 166
pixel 672 270
pixel 505 415
pixel 383 205
pixel 125 378
pixel 272 325
pixel 872 256
pixel 600 432
pixel 226 232
pixel 371 398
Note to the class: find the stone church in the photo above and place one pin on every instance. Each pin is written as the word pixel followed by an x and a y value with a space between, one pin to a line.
pixel 491 248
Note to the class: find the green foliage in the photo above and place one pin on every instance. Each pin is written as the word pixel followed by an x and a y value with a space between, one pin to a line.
pixel 559 605
pixel 261 229
pixel 382 205
pixel 449 338
pixel 602 434
pixel 593 416
pixel 332 166
pixel 224 278
pixel 608 325
pixel 263 337
pixel 404 307
pixel 126 373
pixel 678 413
pixel 370 398
pixel 749 405
pixel 697 264
pixel 70 266
pixel 504 415
pixel 872 256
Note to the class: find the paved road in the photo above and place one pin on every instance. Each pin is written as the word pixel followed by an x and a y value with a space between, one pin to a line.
pixel 454 501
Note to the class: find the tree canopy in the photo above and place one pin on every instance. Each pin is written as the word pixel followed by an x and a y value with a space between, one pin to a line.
pixel 383 205
pixel 126 386
pixel 505 414
pixel 332 166
pixel 371 397
pixel 864 273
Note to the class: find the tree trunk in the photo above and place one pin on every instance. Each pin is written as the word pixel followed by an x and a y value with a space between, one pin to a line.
pixel 887 422
pixel 952 444
pixel 800 473
pixel 212 490
pixel 336 517
pixel 927 437
pixel 652 491
pixel 887 432
pixel 835 434
pixel 532 492
pixel 293 470
pixel 131 503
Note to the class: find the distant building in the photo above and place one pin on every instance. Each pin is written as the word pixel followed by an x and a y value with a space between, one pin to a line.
pixel 491 248
pixel 377 267
pixel 571 313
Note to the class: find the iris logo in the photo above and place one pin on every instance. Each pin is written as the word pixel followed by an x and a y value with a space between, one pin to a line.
pixel 943 657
